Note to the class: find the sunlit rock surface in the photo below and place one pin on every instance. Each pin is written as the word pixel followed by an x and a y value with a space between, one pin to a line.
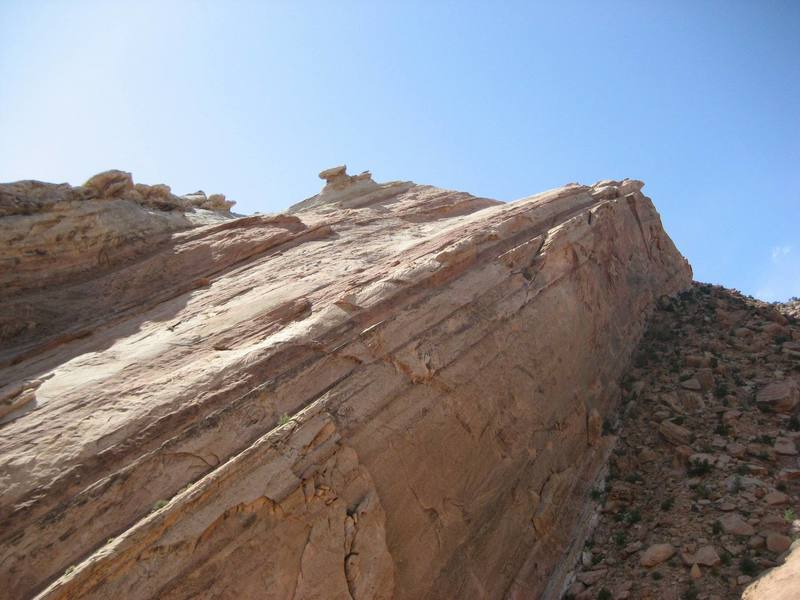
pixel 390 391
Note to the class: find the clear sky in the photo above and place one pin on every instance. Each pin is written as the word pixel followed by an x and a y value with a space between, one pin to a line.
pixel 699 99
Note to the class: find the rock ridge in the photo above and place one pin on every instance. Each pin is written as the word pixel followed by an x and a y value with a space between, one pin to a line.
pixel 30 196
pixel 398 386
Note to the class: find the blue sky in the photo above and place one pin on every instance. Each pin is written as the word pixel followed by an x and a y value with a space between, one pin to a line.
pixel 699 99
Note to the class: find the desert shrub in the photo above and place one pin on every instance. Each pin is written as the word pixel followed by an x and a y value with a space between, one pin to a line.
pixel 690 593
pixel 633 517
pixel 702 491
pixel 699 467
pixel 634 478
pixel 748 566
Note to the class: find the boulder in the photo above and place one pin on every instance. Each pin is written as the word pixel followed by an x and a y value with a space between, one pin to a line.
pixel 691 384
pixel 656 554
pixel 785 446
pixel 777 542
pixel 158 196
pixel 707 556
pixel 674 433
pixel 779 396
pixel 734 524
pixel 214 202
pixel 776 498
pixel 110 184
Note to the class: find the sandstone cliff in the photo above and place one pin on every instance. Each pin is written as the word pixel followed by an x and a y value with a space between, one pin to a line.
pixel 389 391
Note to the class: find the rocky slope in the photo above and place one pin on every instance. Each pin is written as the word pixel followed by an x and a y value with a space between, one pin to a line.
pixel 389 391
pixel 702 490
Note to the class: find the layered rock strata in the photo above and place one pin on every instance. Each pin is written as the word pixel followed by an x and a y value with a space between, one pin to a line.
pixel 60 244
pixel 393 391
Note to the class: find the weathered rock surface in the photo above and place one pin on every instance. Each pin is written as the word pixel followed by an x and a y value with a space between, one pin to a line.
pixel 60 244
pixel 656 554
pixel 392 391
pixel 779 396
pixel 781 583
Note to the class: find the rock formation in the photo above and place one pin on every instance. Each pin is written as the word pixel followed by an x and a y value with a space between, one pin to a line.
pixel 75 255
pixel 389 391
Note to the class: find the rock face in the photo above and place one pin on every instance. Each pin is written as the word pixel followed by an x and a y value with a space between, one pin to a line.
pixel 391 391
pixel 60 244
pixel 781 583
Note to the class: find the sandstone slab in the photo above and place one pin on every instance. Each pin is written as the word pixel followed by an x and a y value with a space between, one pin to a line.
pixel 356 382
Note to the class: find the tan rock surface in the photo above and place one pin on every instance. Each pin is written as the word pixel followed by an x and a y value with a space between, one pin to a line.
pixel 781 583
pixel 110 240
pixel 392 391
